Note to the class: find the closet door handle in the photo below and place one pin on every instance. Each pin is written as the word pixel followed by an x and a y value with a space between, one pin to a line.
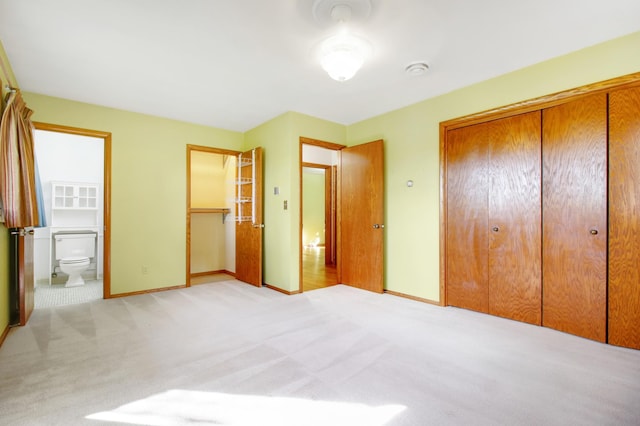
pixel 594 232
pixel 495 229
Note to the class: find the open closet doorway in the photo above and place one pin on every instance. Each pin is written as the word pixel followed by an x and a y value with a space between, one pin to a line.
pixel 224 215
pixel 210 218
pixel 71 254
pixel 318 208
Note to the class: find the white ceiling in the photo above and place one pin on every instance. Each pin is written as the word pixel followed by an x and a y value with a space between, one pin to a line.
pixel 234 64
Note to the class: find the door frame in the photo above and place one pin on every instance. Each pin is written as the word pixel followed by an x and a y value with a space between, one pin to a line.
pixel 190 149
pixel 503 112
pixel 330 207
pixel 106 212
pixel 322 144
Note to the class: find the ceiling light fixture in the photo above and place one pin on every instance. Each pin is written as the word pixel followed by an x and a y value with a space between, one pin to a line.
pixel 343 54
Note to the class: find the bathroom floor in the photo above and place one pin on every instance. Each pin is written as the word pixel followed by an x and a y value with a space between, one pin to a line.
pixel 57 294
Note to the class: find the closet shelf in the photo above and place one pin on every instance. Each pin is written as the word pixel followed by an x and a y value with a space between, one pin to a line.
pixel 224 210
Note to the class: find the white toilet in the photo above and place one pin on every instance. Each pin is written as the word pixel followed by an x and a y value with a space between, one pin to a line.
pixel 74 251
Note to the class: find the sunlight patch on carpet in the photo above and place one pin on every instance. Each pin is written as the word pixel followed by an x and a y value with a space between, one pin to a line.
pixel 182 407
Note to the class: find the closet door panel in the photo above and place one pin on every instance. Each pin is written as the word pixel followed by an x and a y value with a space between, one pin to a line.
pixel 575 217
pixel 467 236
pixel 624 218
pixel 514 218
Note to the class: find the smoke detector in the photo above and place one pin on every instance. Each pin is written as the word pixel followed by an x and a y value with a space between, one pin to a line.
pixel 417 68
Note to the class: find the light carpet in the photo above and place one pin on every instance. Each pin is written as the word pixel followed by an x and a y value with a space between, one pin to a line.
pixel 228 353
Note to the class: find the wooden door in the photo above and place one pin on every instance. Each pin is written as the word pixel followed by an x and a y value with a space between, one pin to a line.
pixel 22 275
pixel 574 276
pixel 361 216
pixel 26 278
pixel 249 217
pixel 330 215
pixel 467 218
pixel 493 217
pixel 624 218
pixel 514 259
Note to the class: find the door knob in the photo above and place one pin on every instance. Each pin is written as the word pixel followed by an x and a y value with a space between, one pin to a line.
pixel 594 232
pixel 495 229
pixel 376 226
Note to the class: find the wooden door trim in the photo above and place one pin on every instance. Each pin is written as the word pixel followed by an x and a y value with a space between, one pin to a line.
pixel 529 105
pixel 323 144
pixel 317 142
pixel 190 149
pixel 316 166
pixel 106 206
pixel 542 102
pixel 330 212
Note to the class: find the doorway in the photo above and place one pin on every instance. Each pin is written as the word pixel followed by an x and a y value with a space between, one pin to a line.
pixel 359 219
pixel 318 226
pixel 224 214
pixel 74 168
pixel 318 209
pixel 210 219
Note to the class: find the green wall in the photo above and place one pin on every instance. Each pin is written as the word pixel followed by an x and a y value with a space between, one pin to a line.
pixel 149 173
pixel 280 138
pixel 148 186
pixel 411 137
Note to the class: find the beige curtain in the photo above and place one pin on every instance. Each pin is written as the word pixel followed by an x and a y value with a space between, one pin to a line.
pixel 17 164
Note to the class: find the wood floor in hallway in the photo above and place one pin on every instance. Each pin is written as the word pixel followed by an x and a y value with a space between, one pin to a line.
pixel 315 274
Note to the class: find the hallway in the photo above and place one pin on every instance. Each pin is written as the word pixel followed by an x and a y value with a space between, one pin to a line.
pixel 315 274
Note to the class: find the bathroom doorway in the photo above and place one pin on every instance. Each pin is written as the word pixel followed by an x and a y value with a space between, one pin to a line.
pixel 74 169
pixel 318 210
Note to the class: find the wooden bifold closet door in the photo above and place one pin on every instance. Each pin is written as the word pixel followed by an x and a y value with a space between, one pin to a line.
pixel 493 217
pixel 574 264
pixel 542 212
pixel 624 218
